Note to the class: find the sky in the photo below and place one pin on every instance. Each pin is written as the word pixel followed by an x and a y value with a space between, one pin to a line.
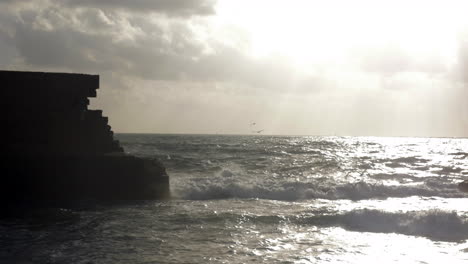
pixel 292 67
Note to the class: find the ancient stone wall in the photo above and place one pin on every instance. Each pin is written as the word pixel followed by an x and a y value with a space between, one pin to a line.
pixel 48 113
pixel 54 148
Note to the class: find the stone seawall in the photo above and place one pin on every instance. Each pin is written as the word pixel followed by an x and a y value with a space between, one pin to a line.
pixel 55 148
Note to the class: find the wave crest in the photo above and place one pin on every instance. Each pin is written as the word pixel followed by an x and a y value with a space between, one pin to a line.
pixel 433 224
pixel 225 186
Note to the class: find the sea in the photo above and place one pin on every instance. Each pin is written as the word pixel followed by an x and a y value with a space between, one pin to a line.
pixel 267 199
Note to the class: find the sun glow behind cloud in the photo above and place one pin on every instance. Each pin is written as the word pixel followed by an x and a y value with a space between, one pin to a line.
pixel 390 63
pixel 328 32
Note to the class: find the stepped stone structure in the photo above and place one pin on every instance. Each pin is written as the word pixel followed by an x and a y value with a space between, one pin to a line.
pixel 55 148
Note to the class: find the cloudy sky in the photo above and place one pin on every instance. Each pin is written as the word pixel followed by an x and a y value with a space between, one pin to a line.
pixel 381 68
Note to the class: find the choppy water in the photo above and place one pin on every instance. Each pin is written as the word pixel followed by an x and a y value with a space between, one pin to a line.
pixel 262 199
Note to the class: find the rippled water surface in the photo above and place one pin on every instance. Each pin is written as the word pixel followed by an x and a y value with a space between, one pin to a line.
pixel 263 199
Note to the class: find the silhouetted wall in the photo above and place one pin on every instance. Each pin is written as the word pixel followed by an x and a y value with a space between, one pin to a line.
pixel 54 148
pixel 48 113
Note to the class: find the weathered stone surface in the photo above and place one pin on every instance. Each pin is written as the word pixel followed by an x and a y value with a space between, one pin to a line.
pixel 54 148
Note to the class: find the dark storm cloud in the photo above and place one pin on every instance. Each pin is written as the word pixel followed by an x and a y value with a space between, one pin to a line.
pixel 92 40
pixel 173 7
pixel 51 38
pixel 169 7
pixel 71 50
pixel 12 1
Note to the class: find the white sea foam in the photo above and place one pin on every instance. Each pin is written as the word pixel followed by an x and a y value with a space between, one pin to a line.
pixel 229 184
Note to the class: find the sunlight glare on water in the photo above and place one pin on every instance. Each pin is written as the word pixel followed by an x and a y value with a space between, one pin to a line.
pixel 262 199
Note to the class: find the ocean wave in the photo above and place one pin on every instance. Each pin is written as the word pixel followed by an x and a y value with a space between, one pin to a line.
pixel 228 185
pixel 437 225
pixel 460 155
pixel 402 161
pixel 433 224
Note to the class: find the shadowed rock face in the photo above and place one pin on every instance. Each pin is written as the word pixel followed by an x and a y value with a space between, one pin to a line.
pixel 54 148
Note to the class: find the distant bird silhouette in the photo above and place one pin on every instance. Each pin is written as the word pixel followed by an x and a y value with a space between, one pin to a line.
pixel 259 131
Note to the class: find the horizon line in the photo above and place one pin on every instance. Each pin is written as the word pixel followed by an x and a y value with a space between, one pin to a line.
pixel 281 135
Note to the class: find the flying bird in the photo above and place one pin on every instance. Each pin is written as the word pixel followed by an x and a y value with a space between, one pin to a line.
pixel 259 131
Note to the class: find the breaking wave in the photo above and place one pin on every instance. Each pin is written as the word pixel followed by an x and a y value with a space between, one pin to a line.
pixel 438 225
pixel 228 185
pixel 433 224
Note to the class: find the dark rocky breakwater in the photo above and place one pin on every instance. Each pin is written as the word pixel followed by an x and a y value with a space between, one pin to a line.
pixel 55 149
